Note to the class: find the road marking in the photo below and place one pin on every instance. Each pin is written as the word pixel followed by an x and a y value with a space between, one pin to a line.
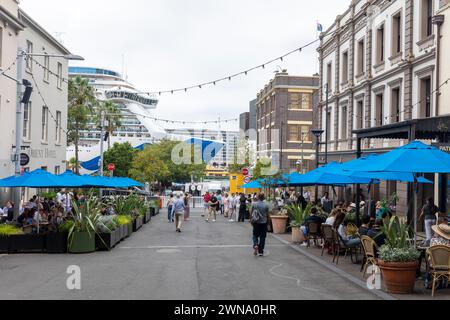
pixel 168 251
pixel 225 246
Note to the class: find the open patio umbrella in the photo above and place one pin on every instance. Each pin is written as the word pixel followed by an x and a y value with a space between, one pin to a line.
pixel 252 185
pixel 414 158
pixel 36 179
pixel 130 182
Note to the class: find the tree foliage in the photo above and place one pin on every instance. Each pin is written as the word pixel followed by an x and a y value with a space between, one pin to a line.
pixel 121 155
pixel 155 164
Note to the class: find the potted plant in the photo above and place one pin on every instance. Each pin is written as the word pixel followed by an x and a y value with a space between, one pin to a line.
pixel 298 217
pixel 279 221
pixel 123 222
pixel 398 258
pixel 26 243
pixel 106 237
pixel 6 231
pixel 81 236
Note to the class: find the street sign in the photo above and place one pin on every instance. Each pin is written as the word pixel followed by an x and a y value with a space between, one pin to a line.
pixel 24 159
pixel 245 172
pixel 247 179
pixel 111 167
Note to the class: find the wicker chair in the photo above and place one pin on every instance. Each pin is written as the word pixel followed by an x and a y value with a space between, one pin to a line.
pixel 341 247
pixel 439 260
pixel 370 253
pixel 327 236
pixel 314 232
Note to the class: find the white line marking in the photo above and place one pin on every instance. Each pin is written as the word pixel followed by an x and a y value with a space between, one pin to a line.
pixel 226 246
pixel 272 271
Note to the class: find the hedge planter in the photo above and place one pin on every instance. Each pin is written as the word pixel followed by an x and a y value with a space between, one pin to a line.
pixel 130 229
pixel 4 244
pixel 105 241
pixel 399 277
pixel 123 229
pixel 82 242
pixel 27 243
pixel 279 224
pixel 153 211
pixel 117 235
pixel 56 242
pixel 137 223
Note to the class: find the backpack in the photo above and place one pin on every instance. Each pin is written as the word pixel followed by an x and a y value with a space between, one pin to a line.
pixel 256 216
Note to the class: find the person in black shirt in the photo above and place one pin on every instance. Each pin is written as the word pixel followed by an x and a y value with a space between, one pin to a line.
pixel 242 208
pixel 429 212
pixel 377 234
pixel 364 229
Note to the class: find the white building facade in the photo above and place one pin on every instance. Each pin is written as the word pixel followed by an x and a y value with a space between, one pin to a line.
pixel 10 27
pixel 378 61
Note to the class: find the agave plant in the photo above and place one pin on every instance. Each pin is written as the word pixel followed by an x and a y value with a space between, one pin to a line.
pixel 124 205
pixel 85 218
pixel 297 214
pixel 9 230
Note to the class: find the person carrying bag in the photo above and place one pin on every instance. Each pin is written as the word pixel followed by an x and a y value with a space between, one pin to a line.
pixel 258 220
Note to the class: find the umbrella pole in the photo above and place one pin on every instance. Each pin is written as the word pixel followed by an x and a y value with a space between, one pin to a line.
pixel 415 208
pixel 369 199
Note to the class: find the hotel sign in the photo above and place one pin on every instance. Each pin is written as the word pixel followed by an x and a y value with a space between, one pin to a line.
pixel 442 146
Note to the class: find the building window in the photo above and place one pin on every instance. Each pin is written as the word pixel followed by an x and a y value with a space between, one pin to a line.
pixel 361 56
pixel 27 120
pixel 46 69
pixel 345 67
pixel 395 105
pixel 425 98
pixel 44 135
pixel 293 132
pixel 327 134
pixel 295 101
pixel 397 34
pixel 60 75
pixel 380 44
pixel 379 109
pixel 427 18
pixel 29 61
pixel 57 170
pixel 306 101
pixel 329 77
pixel 344 123
pixel 360 115
pixel 58 127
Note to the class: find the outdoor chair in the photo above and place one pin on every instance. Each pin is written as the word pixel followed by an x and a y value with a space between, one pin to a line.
pixel 370 253
pixel 314 232
pixel 327 236
pixel 341 247
pixel 439 260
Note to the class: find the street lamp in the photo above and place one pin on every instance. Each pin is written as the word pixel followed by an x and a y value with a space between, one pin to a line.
pixel 21 55
pixel 317 133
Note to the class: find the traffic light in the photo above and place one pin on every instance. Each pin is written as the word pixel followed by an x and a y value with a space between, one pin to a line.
pixel 28 91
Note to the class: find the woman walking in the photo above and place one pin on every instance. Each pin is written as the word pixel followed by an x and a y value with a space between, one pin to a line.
pixel 170 208
pixel 178 209
pixel 187 210
pixel 226 204
pixel 242 208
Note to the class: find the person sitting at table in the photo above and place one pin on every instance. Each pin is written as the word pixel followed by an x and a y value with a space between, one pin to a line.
pixel 377 234
pixel 340 228
pixel 364 229
pixel 441 235
pixel 330 220
pixel 313 218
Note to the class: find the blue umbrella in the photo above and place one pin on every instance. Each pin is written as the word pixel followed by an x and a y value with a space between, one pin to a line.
pixel 323 177
pixel 36 179
pixel 252 185
pixel 85 181
pixel 415 158
pixel 130 182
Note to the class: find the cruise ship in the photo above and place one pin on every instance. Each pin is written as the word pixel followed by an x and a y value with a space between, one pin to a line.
pixel 138 128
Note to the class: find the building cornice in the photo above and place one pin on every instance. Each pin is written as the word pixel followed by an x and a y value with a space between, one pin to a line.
pixel 29 22
pixel 12 20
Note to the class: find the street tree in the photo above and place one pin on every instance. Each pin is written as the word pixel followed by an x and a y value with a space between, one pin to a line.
pixel 113 118
pixel 81 104
pixel 121 155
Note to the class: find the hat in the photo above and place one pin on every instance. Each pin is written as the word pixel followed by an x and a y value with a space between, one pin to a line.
pixel 353 205
pixel 443 230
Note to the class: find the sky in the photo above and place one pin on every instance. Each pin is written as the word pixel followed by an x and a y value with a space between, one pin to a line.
pixel 168 44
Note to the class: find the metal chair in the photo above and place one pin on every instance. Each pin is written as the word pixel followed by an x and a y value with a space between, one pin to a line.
pixel 370 253
pixel 439 260
pixel 314 232
pixel 327 236
pixel 340 246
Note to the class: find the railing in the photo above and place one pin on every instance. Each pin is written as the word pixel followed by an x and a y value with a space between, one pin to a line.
pixel 194 202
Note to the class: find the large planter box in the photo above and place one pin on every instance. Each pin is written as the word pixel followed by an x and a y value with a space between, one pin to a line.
pixel 56 242
pixel 123 229
pixel 400 277
pixel 148 216
pixel 130 229
pixel 137 223
pixel 153 211
pixel 117 235
pixel 4 244
pixel 82 242
pixel 27 243
pixel 105 241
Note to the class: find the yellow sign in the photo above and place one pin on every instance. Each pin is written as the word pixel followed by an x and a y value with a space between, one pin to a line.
pixel 236 181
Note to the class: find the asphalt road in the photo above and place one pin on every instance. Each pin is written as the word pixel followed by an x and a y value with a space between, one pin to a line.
pixel 211 261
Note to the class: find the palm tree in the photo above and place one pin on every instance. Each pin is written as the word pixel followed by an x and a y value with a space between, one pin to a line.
pixel 82 102
pixel 113 118
pixel 72 164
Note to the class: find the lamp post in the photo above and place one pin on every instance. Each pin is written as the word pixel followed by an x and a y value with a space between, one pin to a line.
pixel 23 98
pixel 317 133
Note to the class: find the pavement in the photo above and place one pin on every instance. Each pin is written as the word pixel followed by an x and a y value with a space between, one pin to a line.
pixel 207 261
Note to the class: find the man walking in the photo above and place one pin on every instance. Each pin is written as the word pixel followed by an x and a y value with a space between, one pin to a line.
pixel 206 200
pixel 233 205
pixel 260 211
pixel 327 204
pixel 170 208
pixel 178 209
pixel 213 207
